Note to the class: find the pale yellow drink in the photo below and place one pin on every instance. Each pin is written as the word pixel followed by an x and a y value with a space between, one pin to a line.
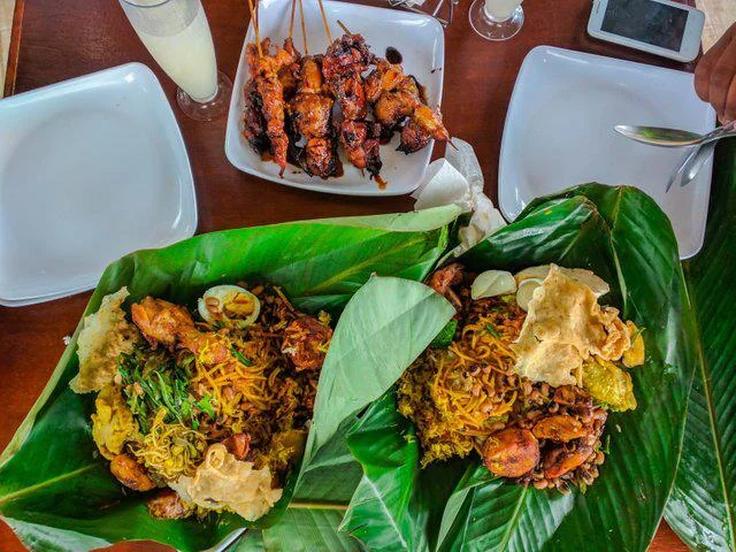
pixel 177 35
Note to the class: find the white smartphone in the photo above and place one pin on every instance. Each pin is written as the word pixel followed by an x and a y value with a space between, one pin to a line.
pixel 659 27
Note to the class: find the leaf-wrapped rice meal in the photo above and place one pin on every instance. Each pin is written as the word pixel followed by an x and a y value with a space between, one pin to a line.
pixel 214 409
pixel 528 391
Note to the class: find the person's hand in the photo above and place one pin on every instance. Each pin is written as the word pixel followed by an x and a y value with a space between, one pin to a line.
pixel 715 76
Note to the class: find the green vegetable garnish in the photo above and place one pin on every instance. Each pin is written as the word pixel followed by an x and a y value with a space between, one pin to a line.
pixel 205 405
pixel 244 360
pixel 152 381
pixel 493 331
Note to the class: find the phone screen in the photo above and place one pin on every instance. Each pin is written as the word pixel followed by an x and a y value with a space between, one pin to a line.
pixel 646 21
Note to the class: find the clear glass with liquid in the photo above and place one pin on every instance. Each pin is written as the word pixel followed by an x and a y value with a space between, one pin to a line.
pixel 496 19
pixel 177 35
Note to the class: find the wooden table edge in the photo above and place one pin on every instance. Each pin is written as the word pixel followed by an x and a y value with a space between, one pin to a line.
pixel 14 47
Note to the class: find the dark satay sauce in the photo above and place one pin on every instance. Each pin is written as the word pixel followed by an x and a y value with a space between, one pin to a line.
pixel 393 55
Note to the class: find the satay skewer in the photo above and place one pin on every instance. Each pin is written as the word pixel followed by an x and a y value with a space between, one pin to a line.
pixel 324 21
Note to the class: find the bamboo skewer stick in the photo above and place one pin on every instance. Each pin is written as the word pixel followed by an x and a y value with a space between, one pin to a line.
pixel 343 27
pixel 304 27
pixel 254 19
pixel 324 21
pixel 291 19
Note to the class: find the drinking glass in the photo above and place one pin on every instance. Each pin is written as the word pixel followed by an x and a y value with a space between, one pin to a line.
pixel 496 19
pixel 177 35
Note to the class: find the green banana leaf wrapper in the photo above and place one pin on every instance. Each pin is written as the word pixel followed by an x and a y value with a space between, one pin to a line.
pixel 702 508
pixel 622 236
pixel 57 496
pixel 56 492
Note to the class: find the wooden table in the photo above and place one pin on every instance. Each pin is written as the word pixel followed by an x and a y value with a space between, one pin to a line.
pixel 53 41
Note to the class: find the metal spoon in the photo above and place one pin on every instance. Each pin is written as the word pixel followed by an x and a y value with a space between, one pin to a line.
pixel 691 165
pixel 672 137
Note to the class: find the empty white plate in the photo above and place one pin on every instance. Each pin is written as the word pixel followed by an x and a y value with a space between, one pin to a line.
pixel 90 169
pixel 559 133
pixel 419 39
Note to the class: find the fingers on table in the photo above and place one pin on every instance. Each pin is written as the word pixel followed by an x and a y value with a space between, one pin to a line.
pixel 715 76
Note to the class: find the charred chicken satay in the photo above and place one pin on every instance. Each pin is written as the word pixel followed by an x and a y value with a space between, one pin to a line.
pixel 265 68
pixel 289 73
pixel 310 114
pixel 254 122
pixel 398 101
pixel 347 58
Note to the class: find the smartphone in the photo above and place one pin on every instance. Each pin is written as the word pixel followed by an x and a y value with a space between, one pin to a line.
pixel 659 27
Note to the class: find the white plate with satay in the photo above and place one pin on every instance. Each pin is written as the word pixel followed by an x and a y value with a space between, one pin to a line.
pixel 337 97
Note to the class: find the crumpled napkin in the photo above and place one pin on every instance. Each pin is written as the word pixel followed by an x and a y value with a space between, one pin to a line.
pixel 458 179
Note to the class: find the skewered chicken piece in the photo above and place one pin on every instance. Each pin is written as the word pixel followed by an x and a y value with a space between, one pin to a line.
pixel 397 98
pixel 345 61
pixel 254 123
pixel 346 56
pixel 265 69
pixel 311 112
pixel 289 73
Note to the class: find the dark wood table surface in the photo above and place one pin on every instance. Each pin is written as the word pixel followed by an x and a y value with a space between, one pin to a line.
pixel 53 41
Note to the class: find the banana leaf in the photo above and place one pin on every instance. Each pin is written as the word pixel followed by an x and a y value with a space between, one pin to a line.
pixel 395 320
pixel 702 508
pixel 624 237
pixel 57 494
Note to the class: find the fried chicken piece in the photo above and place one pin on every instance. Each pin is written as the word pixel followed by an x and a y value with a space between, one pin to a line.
pixel 130 473
pixel 238 445
pixel 444 279
pixel 168 324
pixel 511 452
pixel 305 341
pixel 560 427
pixel 559 461
pixel 160 321
pixel 167 504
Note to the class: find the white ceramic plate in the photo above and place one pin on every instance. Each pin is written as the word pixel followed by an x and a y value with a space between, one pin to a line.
pixel 420 41
pixel 90 169
pixel 559 133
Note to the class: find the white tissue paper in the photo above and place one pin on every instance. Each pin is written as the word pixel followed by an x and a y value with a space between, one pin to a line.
pixel 458 179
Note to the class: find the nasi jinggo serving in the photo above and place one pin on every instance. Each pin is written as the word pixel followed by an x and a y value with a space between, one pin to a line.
pixel 208 415
pixel 525 374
